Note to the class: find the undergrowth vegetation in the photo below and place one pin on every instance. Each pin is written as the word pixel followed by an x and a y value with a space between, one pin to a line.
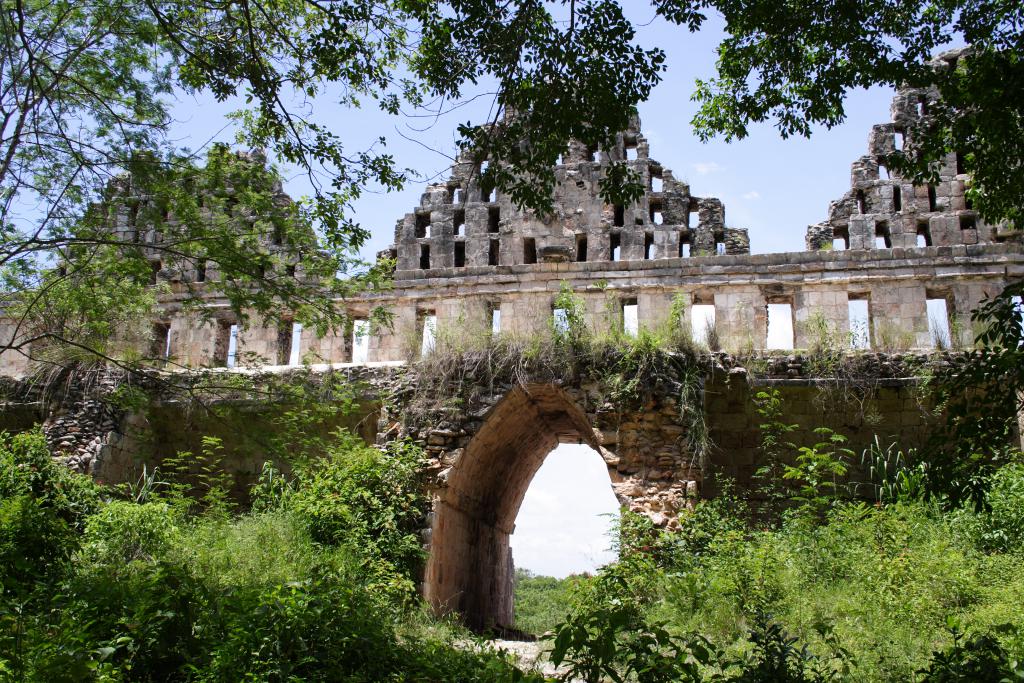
pixel 315 583
pixel 899 592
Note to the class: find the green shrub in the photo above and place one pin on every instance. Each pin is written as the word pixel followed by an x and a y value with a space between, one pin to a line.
pixel 122 533
pixel 542 601
pixel 42 505
pixel 1001 527
pixel 370 501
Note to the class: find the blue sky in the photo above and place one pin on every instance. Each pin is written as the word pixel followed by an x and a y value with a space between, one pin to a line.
pixel 771 186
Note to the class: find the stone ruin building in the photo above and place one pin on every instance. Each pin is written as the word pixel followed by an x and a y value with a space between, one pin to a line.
pixel 890 257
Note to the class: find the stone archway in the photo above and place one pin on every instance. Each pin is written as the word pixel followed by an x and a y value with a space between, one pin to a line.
pixel 470 566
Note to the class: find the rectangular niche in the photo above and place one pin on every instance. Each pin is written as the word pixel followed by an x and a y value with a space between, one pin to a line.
pixel 860 321
pixel 581 248
pixel 529 250
pixel 702 323
pixel 360 340
pixel 780 325
pixel 630 317
pixel 939 326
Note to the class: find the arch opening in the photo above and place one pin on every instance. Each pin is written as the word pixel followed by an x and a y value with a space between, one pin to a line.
pixel 567 514
pixel 470 568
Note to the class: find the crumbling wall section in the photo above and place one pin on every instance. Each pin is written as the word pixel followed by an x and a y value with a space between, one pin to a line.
pixel 884 210
pixel 464 223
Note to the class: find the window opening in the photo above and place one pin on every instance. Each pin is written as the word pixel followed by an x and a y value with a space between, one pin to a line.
pixel 422 225
pixel 290 270
pixel 492 253
pixel 228 344
pixel 460 254
pixel 161 340
pixel 883 240
pixel 648 245
pixel 702 323
pixel 932 201
pixel 938 322
pixel 924 234
pixel 428 332
pixel 922 105
pixel 493 218
pixel 899 140
pixel 630 317
pixel 960 169
pixel 780 326
pixel 615 246
pixel 883 172
pixel 862 204
pixel 360 340
pixel 495 319
pixel 841 238
pixel 529 250
pixel 278 235
pixel 581 248
pixel 201 270
pixel 487 192
pixel 224 343
pixel 154 270
pixel 657 183
pixel 459 195
pixel 459 222
pixel 690 221
pixel 284 342
pixel 295 344
pixel 860 323
pixel 720 248
pixel 897 199
pixel 424 257
pixel 968 222
pixel 656 213
pixel 619 219
pixel 684 247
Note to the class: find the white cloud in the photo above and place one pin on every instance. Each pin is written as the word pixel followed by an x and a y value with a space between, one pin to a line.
pixel 753 194
pixel 562 527
pixel 706 167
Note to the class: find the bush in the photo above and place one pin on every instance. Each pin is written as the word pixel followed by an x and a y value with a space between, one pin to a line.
pixel 370 501
pixel 542 601
pixel 1001 527
pixel 42 505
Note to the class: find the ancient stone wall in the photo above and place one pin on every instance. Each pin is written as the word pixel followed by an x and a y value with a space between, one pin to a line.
pixel 485 442
pixel 885 210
